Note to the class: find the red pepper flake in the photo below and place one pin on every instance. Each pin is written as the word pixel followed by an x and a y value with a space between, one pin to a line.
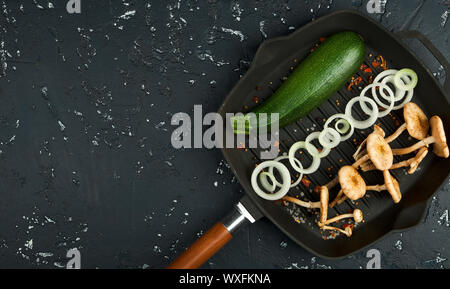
pixel 379 61
pixel 368 70
pixel 354 81
pixel 305 182
pixel 255 99
pixel 351 226
pixel 319 150
pixel 383 62
pixel 322 39
pixel 363 66
pixel 371 78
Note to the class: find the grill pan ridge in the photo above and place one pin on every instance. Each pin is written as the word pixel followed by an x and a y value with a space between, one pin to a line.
pixel 273 61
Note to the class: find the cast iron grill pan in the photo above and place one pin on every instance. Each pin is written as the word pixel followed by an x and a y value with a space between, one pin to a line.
pixel 272 64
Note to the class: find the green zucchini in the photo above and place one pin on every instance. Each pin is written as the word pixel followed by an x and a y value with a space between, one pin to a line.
pixel 321 74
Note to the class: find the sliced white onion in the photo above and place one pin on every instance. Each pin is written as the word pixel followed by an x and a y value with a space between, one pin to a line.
pixel 341 116
pixel 285 175
pixel 344 129
pixel 285 157
pixel 383 74
pixel 326 141
pixel 399 79
pixel 382 87
pixel 315 162
pixel 406 98
pixel 265 183
pixel 399 93
pixel 373 115
pixel 315 135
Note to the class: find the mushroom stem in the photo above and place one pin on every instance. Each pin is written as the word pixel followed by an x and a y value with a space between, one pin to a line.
pixel 360 161
pixel 337 198
pixel 396 134
pixel 332 183
pixel 347 231
pixel 377 188
pixel 341 200
pixel 337 218
pixel 413 163
pixel 356 215
pixel 311 205
pixel 322 204
pixel 392 186
pixel 422 143
pixel 358 150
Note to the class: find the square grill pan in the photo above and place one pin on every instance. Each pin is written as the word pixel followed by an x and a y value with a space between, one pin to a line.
pixel 273 61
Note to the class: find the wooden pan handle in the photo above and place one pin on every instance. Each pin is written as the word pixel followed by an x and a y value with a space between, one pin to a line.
pixel 199 252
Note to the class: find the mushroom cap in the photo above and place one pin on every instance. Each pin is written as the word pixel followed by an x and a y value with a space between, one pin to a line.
pixel 440 147
pixel 379 152
pixel 419 157
pixel 358 215
pixel 349 231
pixel 378 130
pixel 392 186
pixel 352 184
pixel 416 121
pixel 324 198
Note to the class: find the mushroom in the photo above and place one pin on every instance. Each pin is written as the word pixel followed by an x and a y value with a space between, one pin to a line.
pixel 358 153
pixel 390 184
pixel 378 150
pixel 437 138
pixel 416 123
pixel 347 231
pixel 413 163
pixel 352 184
pixel 322 204
pixel 357 216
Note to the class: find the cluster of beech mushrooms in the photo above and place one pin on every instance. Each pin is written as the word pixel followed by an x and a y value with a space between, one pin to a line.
pixel 375 153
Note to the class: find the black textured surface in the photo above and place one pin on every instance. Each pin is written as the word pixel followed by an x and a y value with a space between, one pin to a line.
pixel 85 154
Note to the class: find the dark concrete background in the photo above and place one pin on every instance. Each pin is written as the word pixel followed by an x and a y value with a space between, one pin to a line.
pixel 85 154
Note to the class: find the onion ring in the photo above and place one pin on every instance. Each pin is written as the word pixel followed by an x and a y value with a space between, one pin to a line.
pixel 373 116
pixel 302 145
pixel 285 175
